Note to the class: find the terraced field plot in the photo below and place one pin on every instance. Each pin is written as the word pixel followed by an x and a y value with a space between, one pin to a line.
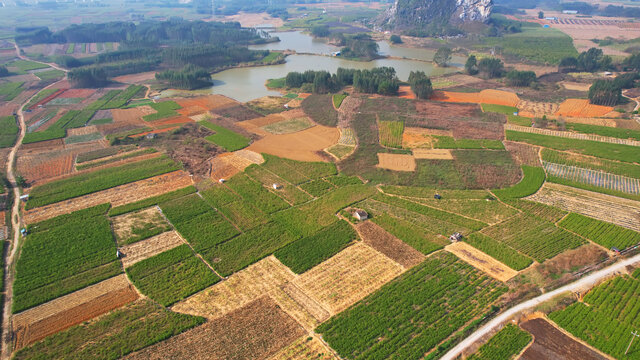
pixel 140 225
pixel 594 177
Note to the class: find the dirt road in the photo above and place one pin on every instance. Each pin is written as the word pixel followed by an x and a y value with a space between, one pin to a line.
pixel 15 222
pixel 579 285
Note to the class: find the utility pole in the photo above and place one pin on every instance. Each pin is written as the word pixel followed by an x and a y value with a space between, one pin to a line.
pixel 634 335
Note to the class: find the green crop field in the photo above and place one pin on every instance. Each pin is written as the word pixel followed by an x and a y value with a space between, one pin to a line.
pixel 519 120
pixel 600 232
pixel 155 200
pixel 64 254
pixel 172 275
pixel 619 133
pixel 391 133
pixel 428 193
pixel 123 331
pixel 241 213
pixel 8 131
pixel 411 234
pixel 317 187
pixel 624 153
pixel 303 254
pixel 104 99
pixel 287 191
pixel 50 74
pixel 9 91
pixel 447 142
pixel 531 182
pixel 143 225
pixel 606 318
pixel 41 95
pixel 254 193
pixel 297 172
pixel 501 109
pixel 533 236
pixel 498 251
pixel 87 183
pixel 100 153
pixel 613 167
pixel 506 344
pixel 71 119
pixel 25 65
pixel 71 48
pixel 338 99
pixel 163 109
pixel 542 211
pixel 225 138
pixel 113 159
pixel 122 98
pixel 410 316
pixel 343 180
pixel 487 209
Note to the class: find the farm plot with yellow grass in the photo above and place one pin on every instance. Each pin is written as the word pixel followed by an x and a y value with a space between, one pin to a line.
pixel 481 261
pixel 396 162
pixel 303 145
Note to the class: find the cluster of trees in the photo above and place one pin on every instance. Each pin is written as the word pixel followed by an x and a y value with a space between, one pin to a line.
pixel 379 80
pixel 500 25
pixel 591 60
pixel 520 78
pixel 382 80
pixel 190 77
pixel 88 77
pixel 420 84
pixel 605 92
pixel 442 56
pixel 360 46
pixel 3 71
pixel 490 67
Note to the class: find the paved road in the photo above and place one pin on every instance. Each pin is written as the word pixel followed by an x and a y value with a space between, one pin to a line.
pixel 579 285
pixel 15 221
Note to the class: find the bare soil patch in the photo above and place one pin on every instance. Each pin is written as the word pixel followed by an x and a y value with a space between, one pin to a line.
pixel 418 137
pixel 405 92
pixel 481 261
pixel 570 85
pixel 49 318
pixel 396 162
pixel 536 109
pixel 144 249
pixel 258 330
pixel 119 195
pixel 38 167
pixel 593 121
pixel 488 96
pixel 305 348
pixel 306 145
pixel 582 108
pixel 85 130
pixel 432 154
pixel 551 343
pixel 392 247
pixel 226 165
pixel 139 78
pixel 255 125
pixel 559 270
pixel 347 277
pixel 523 154
pixel 253 20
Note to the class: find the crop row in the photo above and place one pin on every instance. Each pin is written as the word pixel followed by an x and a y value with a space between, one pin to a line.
pixel 410 316
pixel 507 343
pixel 87 183
pixel 608 131
pixel 317 188
pixel 424 192
pixel 9 90
pixel 113 159
pixel 104 99
pixel 448 142
pixel 613 167
pixel 64 254
pixel 532 180
pixel 297 172
pixel 172 275
pixel 288 192
pixel 391 133
pixel 594 178
pixel 8 131
pixel 100 153
pixel 540 210
pixel 498 251
pixel 225 138
pixel 155 200
pixel 411 234
pixel 123 97
pixel 303 254
pixel 241 213
pixel 600 232
pixel 163 110
pixel 256 194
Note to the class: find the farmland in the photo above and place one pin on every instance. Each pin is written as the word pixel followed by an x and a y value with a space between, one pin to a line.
pixel 495 249
pixel 592 179
pixel 354 338
pixel 227 139
pixel 391 133
pixel 600 232
pixel 609 166
pixel 507 343
pixel 8 131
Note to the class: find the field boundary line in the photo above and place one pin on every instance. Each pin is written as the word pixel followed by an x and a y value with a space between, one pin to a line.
pixel 571 135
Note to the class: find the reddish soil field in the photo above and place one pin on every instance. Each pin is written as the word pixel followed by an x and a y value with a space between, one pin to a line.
pixel 171 121
pixel 551 343
pixel 48 98
pixel 236 113
pixel 49 145
pixel 523 154
pixel 258 330
pixel 156 131
pixel 49 318
pixel 77 93
pixel 582 108
pixel 389 245
pixel 40 166
pixel 432 109
pixel 406 93
pixel 497 97
pixel 208 102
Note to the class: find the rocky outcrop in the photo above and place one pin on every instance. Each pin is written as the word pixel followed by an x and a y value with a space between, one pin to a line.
pixel 415 14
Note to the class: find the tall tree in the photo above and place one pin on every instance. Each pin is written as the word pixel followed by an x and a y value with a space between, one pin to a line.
pixel 471 66
pixel 605 92
pixel 442 56
pixel 491 67
pixel 420 84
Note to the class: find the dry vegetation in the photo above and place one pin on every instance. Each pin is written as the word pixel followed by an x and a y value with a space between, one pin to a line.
pixel 145 249
pixel 481 261
pixel 394 248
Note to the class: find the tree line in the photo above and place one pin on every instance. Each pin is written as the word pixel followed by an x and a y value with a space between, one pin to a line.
pixel 190 77
pixel 382 80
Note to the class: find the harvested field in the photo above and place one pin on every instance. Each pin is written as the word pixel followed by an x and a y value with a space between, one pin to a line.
pixel 396 162
pixel 304 145
pixel 117 196
pixel 592 121
pixel 575 86
pixel 253 20
pixel 481 261
pixel 607 208
pixel 523 154
pixel 238 290
pixel 144 249
pixel 49 145
pixel 85 130
pixel 536 109
pixel 489 96
pixel 305 348
pixel 258 330
pixel 289 126
pixel 39 322
pixel 582 108
pixel 77 93
pixel 347 277
pixel 389 245
pixel 255 125
pixel 133 226
pixel 347 137
pixel 432 154
pixel 138 78
pixel 552 343
pixel 208 102
pixel 406 93
pixel 226 165
pixel 237 112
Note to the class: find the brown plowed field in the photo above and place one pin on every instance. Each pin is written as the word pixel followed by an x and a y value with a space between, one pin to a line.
pixel 576 86
pixel 255 125
pixel 439 110
pixel 551 343
pixel 77 93
pixel 38 167
pixel 119 195
pixel 49 318
pixel 481 261
pixel 258 330
pixel 208 102
pixel 582 108
pixel 490 96
pixel 49 145
pixel 396 162
pixel 238 290
pixel 432 154
pixel 523 154
pixel 305 145
pixel 144 249
pixel 85 130
pixel 133 115
pixel 347 277
pixel 392 247
pixel 226 165
pixel 136 78
pixel 305 348
pixel 171 121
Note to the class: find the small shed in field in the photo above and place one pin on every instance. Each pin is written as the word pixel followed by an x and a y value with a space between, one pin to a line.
pixel 360 215
pixel 455 237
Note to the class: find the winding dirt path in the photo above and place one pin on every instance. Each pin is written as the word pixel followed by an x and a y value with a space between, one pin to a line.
pixel 14 245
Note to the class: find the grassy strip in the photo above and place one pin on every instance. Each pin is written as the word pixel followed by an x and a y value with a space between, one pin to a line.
pixel 117 158
pixel 88 183
pixel 501 109
pixel 64 254
pixel 26 65
pixel 50 74
pixel 519 120
pixel 497 250
pixel 172 275
pixel 225 138
pixel 447 142
pixel 589 187
pixel 338 99
pixel 301 255
pixel 114 335
pixel 123 97
pixel 507 343
pixel 613 167
pixel 10 90
pixel 619 133
pixel 609 151
pixel 412 235
pixel 41 95
pixel 532 181
pixel 71 48
pixel 151 201
pixel 600 232
pixel 8 131
pixel 163 109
